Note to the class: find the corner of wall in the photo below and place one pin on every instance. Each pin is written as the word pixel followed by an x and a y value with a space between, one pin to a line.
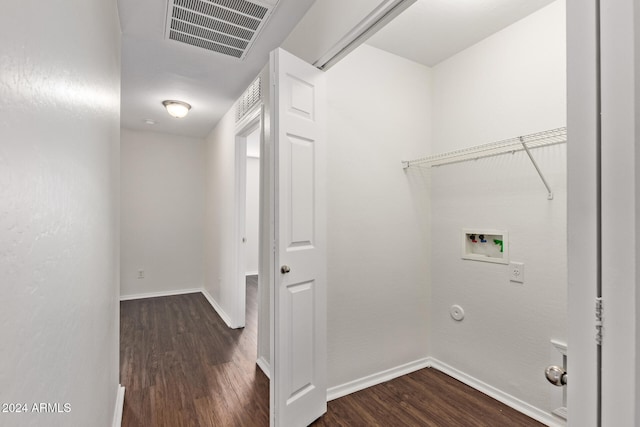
pixel 376 214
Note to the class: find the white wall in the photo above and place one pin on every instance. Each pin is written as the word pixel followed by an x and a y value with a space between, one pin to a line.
pixel 252 217
pixel 377 254
pixel 219 214
pixel 163 181
pixel 510 84
pixel 59 151
pixel 252 203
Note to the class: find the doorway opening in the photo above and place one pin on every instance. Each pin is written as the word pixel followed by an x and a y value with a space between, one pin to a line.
pixel 247 215
pixel 506 84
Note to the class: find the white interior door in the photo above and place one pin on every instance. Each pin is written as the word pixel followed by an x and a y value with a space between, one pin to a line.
pixel 298 379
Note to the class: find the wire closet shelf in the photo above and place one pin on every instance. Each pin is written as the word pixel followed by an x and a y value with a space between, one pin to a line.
pixel 511 145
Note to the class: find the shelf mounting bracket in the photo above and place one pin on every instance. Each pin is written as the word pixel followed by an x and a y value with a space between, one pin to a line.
pixel 535 165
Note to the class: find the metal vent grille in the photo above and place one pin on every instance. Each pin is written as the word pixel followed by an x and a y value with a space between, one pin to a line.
pixel 224 26
pixel 249 98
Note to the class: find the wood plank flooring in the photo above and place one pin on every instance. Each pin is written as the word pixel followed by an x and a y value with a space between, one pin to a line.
pixel 182 366
pixel 423 398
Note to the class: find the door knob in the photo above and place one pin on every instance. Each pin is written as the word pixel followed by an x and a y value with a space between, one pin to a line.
pixel 285 269
pixel 556 375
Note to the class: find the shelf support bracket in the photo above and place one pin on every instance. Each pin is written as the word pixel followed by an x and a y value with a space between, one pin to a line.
pixel 535 165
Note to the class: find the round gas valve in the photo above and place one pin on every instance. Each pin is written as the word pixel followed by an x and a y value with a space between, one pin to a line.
pixel 457 312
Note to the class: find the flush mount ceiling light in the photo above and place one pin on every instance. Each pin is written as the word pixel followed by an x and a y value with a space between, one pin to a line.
pixel 177 109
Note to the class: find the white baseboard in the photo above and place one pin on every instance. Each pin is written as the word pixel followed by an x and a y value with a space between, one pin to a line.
pixel 160 294
pixel 499 395
pixel 374 379
pixel 264 366
pixel 117 413
pixel 224 316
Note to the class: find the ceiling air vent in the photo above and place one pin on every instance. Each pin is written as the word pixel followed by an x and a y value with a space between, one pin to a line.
pixel 228 27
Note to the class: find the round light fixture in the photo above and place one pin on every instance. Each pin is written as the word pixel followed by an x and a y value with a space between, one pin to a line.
pixel 177 109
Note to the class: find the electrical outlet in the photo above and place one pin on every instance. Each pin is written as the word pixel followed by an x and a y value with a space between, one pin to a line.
pixel 516 272
pixel 140 274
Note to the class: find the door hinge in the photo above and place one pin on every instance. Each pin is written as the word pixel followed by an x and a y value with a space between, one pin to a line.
pixel 599 320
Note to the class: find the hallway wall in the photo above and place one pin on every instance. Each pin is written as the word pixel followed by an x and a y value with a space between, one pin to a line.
pixel 253 217
pixel 219 215
pixel 59 184
pixel 220 205
pixel 162 214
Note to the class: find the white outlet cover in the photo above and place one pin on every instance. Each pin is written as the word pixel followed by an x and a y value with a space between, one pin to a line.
pixel 516 272
pixel 457 312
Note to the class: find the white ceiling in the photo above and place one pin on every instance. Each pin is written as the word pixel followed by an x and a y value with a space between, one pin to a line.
pixel 431 31
pixel 155 69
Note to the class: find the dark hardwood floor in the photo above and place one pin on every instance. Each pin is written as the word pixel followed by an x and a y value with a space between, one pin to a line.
pixel 423 398
pixel 182 366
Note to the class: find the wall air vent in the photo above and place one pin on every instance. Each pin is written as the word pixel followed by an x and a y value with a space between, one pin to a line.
pixel 249 98
pixel 229 27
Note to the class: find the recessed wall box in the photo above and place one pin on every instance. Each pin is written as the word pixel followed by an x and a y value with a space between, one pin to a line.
pixel 485 245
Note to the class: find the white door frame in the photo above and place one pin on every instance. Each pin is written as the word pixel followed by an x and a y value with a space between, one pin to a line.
pixel 584 208
pixel 620 109
pixel 582 212
pixel 251 122
pixel 603 103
